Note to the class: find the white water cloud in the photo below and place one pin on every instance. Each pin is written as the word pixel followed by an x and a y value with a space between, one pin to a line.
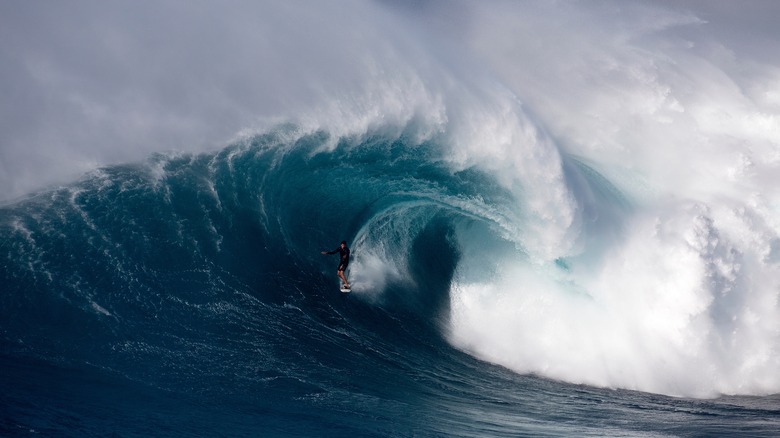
pixel 91 83
pixel 671 102
pixel 87 83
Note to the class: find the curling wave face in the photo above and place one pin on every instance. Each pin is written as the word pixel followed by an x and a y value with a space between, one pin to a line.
pixel 596 284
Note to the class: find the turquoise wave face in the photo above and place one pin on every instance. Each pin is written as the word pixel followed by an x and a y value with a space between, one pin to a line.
pixel 201 276
pixel 139 263
pixel 132 255
pixel 193 285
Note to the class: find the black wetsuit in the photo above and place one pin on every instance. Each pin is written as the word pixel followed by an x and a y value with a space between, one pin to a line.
pixel 344 252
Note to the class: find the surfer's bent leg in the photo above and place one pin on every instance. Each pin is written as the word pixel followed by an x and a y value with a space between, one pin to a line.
pixel 342 268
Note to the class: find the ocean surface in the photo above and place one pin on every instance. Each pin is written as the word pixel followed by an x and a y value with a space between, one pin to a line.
pixel 564 219
pixel 186 296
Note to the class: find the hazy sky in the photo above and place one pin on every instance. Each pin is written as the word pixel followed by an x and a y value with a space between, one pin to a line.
pixel 88 83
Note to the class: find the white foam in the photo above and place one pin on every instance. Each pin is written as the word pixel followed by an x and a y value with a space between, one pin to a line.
pixel 685 300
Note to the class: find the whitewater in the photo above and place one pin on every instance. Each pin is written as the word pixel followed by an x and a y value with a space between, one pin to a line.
pixel 564 219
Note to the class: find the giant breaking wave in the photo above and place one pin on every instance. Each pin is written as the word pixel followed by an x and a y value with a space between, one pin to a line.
pixel 570 273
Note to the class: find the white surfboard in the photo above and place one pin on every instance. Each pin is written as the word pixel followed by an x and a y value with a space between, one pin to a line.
pixel 345 290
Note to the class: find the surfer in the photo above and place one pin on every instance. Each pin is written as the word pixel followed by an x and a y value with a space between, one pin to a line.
pixel 344 252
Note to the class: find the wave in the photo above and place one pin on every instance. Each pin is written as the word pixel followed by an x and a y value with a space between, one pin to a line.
pixel 620 292
pixel 601 210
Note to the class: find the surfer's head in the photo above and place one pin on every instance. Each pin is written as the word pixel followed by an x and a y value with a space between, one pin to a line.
pixel 343 243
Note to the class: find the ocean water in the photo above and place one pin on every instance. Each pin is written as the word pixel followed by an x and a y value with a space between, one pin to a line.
pixel 564 220
pixel 186 295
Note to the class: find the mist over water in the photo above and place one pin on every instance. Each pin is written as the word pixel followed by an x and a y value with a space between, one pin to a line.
pixel 668 278
pixel 635 146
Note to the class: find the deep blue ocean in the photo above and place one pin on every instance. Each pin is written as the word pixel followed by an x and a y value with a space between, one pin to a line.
pixel 186 296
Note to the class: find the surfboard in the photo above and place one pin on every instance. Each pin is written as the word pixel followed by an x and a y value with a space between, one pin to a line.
pixel 345 290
